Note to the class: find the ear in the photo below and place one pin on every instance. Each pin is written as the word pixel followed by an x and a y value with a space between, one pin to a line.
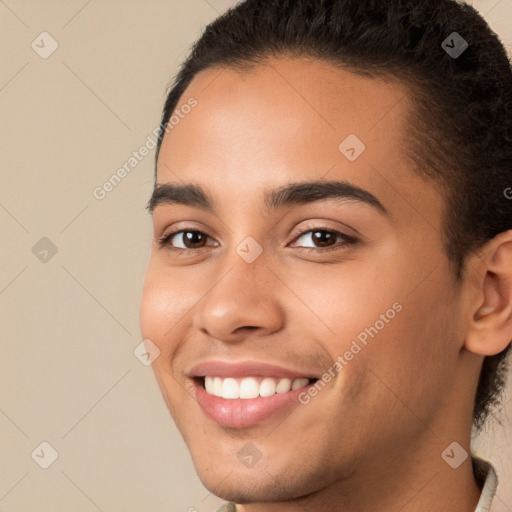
pixel 490 323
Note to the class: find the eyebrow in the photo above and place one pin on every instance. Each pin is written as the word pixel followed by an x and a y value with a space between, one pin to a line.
pixel 292 194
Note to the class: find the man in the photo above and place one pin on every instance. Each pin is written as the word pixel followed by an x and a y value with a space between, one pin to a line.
pixel 330 286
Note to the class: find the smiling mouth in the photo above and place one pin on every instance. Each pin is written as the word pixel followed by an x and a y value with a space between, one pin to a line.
pixel 245 388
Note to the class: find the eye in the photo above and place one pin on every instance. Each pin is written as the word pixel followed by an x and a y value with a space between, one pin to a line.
pixel 186 239
pixel 319 239
pixel 323 239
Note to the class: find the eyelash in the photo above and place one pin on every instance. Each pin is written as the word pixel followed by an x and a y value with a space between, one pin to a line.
pixel 163 242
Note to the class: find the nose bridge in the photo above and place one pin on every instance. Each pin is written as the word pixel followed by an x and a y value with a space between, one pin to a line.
pixel 240 295
pixel 245 259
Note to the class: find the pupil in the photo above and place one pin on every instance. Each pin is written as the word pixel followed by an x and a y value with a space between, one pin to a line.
pixel 193 237
pixel 323 238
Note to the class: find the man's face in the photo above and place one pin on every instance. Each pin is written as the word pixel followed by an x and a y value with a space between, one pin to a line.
pixel 338 279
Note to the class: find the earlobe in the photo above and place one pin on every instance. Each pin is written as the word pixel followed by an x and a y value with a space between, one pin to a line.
pixel 490 326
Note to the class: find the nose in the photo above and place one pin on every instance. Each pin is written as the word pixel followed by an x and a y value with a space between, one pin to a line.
pixel 243 299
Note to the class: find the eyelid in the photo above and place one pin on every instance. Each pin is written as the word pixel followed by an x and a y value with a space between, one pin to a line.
pixel 348 239
pixel 183 225
pixel 164 239
pixel 319 225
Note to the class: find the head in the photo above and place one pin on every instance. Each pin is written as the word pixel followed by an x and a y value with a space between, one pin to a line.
pixel 364 169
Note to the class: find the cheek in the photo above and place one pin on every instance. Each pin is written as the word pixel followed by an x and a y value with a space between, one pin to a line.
pixel 412 358
pixel 152 310
pixel 347 300
pixel 161 308
pixel 389 319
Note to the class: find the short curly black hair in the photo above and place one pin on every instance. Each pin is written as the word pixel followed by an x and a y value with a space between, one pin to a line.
pixel 461 128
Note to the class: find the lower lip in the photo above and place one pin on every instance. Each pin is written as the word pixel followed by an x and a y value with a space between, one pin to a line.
pixel 242 413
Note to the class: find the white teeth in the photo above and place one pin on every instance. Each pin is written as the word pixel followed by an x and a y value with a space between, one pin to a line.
pixel 217 386
pixel 284 386
pixel 268 387
pixel 299 383
pixel 230 388
pixel 250 387
pixel 208 385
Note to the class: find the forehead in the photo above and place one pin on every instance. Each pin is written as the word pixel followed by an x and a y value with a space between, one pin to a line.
pixel 291 119
pixel 288 100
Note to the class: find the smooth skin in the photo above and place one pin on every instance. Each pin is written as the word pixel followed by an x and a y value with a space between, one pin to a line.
pixel 372 439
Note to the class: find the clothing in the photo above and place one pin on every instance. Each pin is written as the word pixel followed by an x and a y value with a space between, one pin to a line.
pixel 484 474
pixel 227 507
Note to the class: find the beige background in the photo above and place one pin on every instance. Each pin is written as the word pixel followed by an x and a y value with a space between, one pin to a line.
pixel 68 375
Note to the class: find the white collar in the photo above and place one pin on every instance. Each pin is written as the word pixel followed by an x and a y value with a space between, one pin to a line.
pixel 486 469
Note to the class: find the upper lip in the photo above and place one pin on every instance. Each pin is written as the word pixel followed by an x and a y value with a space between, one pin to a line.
pixel 218 368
